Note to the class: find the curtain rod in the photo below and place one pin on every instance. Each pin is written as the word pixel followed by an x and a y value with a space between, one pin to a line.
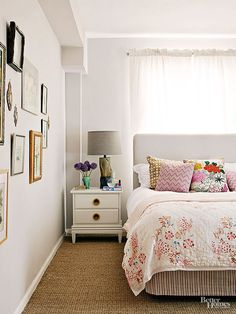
pixel 181 52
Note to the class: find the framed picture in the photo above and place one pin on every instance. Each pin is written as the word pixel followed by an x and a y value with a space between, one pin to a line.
pixel 35 156
pixel 3 205
pixel 30 88
pixel 2 91
pixel 44 99
pixel 44 130
pixel 18 154
pixel 15 47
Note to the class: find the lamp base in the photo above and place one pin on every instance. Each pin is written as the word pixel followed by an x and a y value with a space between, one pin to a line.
pixel 105 169
pixel 103 181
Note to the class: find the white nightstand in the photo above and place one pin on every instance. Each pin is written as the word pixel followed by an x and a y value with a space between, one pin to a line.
pixel 96 212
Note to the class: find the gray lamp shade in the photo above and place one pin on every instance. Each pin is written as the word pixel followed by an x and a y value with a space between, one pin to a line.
pixel 104 143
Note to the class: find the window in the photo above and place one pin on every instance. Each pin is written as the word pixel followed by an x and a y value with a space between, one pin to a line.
pixel 183 91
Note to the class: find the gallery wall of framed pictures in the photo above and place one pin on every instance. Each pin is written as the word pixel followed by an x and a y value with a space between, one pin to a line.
pixel 33 100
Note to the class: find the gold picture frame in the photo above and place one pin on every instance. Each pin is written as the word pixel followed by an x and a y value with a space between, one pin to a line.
pixel 4 176
pixel 35 156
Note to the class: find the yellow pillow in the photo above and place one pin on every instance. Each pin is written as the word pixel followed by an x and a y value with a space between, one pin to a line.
pixel 154 170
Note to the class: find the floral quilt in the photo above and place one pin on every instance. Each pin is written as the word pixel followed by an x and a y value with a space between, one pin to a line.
pixel 170 234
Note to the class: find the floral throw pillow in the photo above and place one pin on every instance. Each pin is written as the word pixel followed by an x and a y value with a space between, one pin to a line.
pixel 209 176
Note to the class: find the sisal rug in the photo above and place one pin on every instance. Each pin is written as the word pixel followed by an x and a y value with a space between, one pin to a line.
pixel 87 278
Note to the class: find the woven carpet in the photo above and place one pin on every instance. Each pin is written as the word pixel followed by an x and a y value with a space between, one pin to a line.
pixel 87 277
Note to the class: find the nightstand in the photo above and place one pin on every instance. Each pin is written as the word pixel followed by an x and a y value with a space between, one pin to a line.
pixel 96 212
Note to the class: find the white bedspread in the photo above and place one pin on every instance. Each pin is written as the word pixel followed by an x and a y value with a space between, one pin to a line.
pixel 178 231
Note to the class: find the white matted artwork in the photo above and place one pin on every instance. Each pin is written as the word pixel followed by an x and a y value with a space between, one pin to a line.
pixel 44 131
pixel 18 154
pixel 30 88
pixel 3 205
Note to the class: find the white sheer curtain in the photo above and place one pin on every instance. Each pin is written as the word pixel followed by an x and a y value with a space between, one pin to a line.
pixel 183 91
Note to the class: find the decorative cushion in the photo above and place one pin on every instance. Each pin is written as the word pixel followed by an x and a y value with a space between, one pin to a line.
pixel 230 166
pixel 231 180
pixel 175 176
pixel 154 170
pixel 209 176
pixel 143 174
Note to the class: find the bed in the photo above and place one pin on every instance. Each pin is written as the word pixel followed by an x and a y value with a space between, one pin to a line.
pixel 214 274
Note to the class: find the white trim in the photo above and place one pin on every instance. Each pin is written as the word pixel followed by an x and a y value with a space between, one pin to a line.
pixel 74 69
pixel 158 35
pixel 65 175
pixel 38 277
pixel 80 121
pixel 68 231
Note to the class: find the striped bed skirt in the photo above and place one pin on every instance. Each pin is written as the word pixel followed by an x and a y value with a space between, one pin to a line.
pixel 193 283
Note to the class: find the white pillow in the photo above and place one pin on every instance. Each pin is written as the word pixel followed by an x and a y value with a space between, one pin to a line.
pixel 143 174
pixel 230 166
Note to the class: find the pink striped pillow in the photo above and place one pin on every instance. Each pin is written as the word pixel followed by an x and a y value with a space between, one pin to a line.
pixel 175 176
pixel 231 180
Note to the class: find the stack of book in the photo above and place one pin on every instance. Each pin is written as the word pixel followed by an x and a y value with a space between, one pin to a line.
pixel 116 188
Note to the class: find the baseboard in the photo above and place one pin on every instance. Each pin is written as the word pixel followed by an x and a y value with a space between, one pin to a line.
pixel 37 279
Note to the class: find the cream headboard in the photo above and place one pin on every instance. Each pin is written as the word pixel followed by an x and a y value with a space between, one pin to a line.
pixel 179 147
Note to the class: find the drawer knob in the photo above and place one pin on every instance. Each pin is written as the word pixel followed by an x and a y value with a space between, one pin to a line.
pixel 96 216
pixel 96 202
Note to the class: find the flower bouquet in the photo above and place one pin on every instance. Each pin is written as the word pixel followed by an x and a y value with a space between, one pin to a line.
pixel 86 169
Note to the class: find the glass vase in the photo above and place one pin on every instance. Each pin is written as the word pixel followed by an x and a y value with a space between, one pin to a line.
pixel 86 181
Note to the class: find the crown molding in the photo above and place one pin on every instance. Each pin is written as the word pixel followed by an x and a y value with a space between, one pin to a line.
pixel 160 35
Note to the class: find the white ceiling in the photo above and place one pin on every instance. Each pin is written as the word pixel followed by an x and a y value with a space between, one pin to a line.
pixel 156 16
pixel 72 20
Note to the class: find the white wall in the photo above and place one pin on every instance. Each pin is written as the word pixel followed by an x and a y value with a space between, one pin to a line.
pixel 72 93
pixel 106 93
pixel 35 210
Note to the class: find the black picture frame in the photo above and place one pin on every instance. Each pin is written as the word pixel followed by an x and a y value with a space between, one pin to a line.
pixel 15 47
pixel 44 99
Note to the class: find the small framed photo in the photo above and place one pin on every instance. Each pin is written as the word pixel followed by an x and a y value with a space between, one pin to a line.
pixel 35 156
pixel 44 130
pixel 2 90
pixel 3 205
pixel 44 99
pixel 18 154
pixel 15 47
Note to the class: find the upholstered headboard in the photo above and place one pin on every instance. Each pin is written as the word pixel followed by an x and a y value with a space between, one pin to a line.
pixel 179 147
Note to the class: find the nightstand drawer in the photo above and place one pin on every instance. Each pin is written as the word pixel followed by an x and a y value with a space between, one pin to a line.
pixel 95 216
pixel 96 201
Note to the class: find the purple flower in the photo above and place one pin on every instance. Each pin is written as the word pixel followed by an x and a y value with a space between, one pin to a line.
pixel 84 168
pixel 93 165
pixel 78 166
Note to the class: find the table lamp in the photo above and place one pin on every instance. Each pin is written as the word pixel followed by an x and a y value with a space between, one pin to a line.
pixel 104 143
